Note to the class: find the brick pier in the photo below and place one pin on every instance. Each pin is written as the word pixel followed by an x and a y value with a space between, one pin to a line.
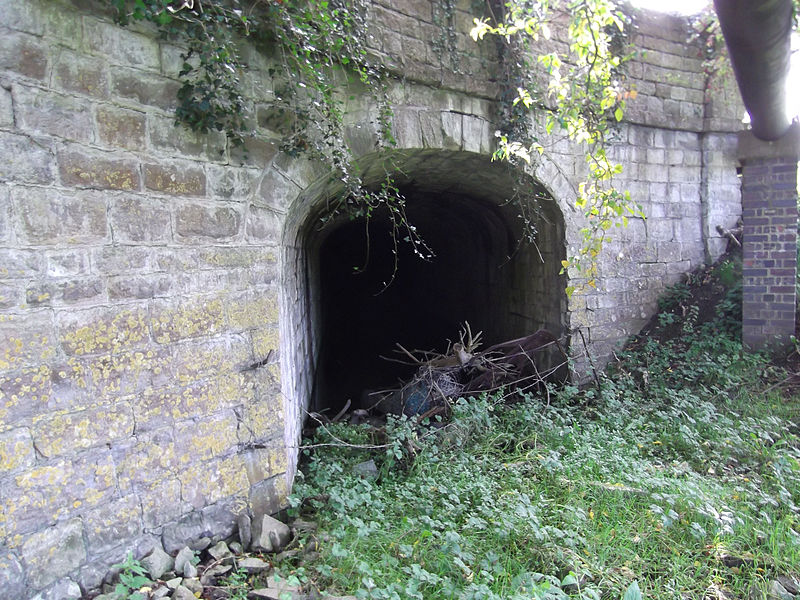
pixel 769 212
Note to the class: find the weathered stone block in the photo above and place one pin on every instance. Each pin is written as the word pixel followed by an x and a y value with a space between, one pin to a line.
pixel 120 127
pixel 61 434
pixel 263 463
pixel 109 525
pixel 21 15
pixel 231 183
pixel 47 217
pixel 202 222
pixel 120 374
pixel 40 294
pixel 122 46
pixel 140 287
pixel 146 459
pixel 23 54
pixel 193 361
pixel 138 219
pixel 12 575
pixel 263 225
pixel 53 553
pixel 185 532
pixel 6 108
pixel 268 497
pixel 175 180
pixel 85 168
pixel 206 483
pixel 97 331
pixel 16 450
pixel 249 311
pixel 178 140
pixel 256 152
pixel 207 438
pixel 277 191
pixel 155 408
pixel 147 89
pixel 52 491
pixel 263 418
pixel 81 74
pixel 86 290
pixel 24 159
pixel 235 388
pixel 174 321
pixel 24 394
pixel 59 22
pixel 265 340
pixel 115 260
pixel 161 503
pixel 12 295
pixel 49 113
pixel 25 340
pixel 451 130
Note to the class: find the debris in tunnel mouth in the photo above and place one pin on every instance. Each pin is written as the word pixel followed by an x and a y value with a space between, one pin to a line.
pixel 522 364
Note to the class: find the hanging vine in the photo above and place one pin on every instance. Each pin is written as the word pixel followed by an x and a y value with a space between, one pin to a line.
pixel 318 45
pixel 579 90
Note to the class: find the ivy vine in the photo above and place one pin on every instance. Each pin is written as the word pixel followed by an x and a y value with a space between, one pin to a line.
pixel 319 47
pixel 579 89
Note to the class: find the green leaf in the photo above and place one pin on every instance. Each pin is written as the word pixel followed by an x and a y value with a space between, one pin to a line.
pixel 633 592
pixel 570 579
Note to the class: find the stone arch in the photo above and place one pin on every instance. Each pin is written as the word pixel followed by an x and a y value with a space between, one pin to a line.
pixel 441 175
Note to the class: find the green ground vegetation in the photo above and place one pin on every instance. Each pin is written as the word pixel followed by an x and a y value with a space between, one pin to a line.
pixel 677 477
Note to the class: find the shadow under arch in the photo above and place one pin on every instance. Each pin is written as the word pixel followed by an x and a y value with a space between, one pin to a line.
pixel 337 321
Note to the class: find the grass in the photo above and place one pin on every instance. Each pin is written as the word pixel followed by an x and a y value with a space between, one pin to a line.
pixel 678 478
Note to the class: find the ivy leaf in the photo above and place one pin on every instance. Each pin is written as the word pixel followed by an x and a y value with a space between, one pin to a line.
pixel 618 113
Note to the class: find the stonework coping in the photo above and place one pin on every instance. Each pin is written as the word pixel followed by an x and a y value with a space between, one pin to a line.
pixel 788 146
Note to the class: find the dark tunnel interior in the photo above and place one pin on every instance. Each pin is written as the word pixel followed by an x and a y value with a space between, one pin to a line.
pixel 374 295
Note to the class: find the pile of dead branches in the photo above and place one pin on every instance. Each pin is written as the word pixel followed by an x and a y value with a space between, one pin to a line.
pixel 521 364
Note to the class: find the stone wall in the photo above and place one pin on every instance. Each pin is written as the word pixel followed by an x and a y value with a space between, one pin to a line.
pixel 139 284
pixel 159 333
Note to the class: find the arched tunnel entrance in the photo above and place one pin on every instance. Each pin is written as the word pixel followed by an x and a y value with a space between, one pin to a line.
pixel 368 294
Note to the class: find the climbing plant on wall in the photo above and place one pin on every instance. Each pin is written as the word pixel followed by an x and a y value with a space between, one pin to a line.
pixel 564 66
pixel 318 47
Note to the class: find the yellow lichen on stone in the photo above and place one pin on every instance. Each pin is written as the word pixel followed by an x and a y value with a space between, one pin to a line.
pixel 16 451
pixel 251 313
pixel 23 343
pixel 121 331
pixel 188 320
pixel 150 458
pixel 66 433
pixel 265 339
pixel 118 374
pixel 208 438
pixel 235 388
pixel 26 392
pixel 278 459
pixel 264 418
pixel 203 484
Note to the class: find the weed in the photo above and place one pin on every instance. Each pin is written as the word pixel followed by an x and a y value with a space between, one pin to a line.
pixel 678 478
pixel 132 578
pixel 235 585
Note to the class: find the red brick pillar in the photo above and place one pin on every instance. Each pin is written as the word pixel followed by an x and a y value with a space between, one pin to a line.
pixel 769 212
